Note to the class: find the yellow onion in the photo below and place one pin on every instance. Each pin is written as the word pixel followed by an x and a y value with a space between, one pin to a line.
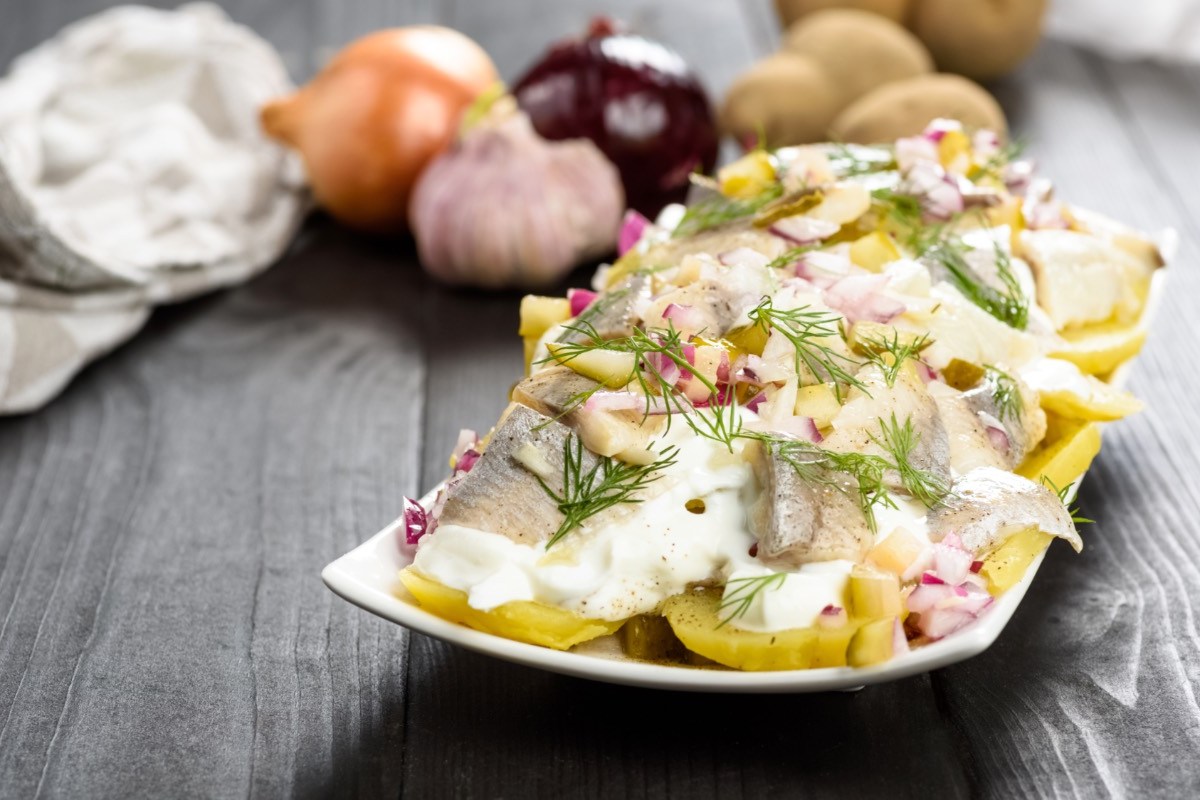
pixel 371 120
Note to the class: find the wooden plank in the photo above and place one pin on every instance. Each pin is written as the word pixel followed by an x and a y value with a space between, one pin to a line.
pixel 162 527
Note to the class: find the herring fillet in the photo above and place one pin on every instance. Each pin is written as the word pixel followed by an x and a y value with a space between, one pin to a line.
pixel 987 505
pixel 613 314
pixel 502 496
pixel 798 521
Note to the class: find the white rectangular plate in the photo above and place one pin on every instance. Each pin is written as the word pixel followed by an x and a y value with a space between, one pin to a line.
pixel 368 577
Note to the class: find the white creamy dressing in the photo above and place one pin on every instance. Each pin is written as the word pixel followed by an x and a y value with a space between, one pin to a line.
pixel 634 564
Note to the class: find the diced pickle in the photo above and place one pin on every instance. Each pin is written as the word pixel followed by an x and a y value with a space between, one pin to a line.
pixel 872 643
pixel 1007 564
pixel 874 594
pixel 649 637
pixel 962 375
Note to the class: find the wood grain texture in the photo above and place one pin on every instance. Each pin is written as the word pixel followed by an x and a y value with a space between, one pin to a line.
pixel 164 632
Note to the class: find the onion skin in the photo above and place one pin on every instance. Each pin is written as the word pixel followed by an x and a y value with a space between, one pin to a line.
pixel 373 118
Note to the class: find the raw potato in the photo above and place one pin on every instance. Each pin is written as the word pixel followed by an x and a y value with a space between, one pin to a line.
pixel 981 39
pixel 785 96
pixel 904 108
pixel 858 50
pixel 792 10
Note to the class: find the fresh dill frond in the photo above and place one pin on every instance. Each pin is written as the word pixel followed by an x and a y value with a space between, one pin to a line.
pixel 1005 392
pixel 814 464
pixel 608 483
pixel 890 354
pixel 721 424
pixel 740 594
pixel 1062 493
pixel 807 329
pixel 850 161
pixel 790 256
pixel 718 210
pixel 900 440
pixel 995 165
pixel 1010 306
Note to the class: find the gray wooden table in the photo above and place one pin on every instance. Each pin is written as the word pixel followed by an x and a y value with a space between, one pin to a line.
pixel 164 631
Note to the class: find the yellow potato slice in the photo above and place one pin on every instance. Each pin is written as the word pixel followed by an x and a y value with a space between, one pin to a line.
pixel 874 251
pixel 1065 453
pixel 1099 349
pixel 539 314
pixel 1006 565
pixel 524 621
pixel 694 617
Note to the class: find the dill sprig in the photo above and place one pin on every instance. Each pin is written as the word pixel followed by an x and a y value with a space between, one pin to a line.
pixel 1062 493
pixel 718 210
pixel 814 465
pixel 1005 392
pixel 935 243
pixel 806 329
pixel 790 256
pixel 608 483
pixel 899 351
pixel 722 424
pixel 900 440
pixel 1009 306
pixel 994 166
pixel 740 594
pixel 849 161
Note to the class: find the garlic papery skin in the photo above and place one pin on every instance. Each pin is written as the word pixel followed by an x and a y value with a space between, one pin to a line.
pixel 506 208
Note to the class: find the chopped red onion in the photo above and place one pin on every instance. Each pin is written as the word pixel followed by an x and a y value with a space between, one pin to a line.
pixel 937 129
pixel 938 192
pixel 685 318
pixel 899 640
pixel 743 257
pixel 466 461
pixel 928 374
pixel 913 149
pixel 416 521
pixel 580 299
pixel 859 297
pixel 723 367
pixel 986 144
pixel 929 579
pixel 756 401
pixel 976 566
pixel 1018 176
pixel 832 616
pixel 663 366
pixel 804 230
pixel 633 227
pixel 467 439
pixel 951 563
pixel 626 401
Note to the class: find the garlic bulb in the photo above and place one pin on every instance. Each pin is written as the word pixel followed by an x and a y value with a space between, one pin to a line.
pixel 506 208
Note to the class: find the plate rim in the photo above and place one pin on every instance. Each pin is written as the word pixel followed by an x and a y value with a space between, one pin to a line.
pixel 392 605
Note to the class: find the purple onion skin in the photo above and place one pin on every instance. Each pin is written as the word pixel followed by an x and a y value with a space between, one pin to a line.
pixel 636 99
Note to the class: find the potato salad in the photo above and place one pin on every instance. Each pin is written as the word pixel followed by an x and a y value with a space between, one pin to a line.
pixel 825 413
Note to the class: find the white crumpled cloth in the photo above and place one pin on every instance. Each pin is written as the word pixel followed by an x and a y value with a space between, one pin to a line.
pixel 1165 30
pixel 132 172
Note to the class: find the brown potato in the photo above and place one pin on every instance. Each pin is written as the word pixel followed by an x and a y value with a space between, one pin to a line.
pixel 791 10
pixel 785 96
pixel 858 50
pixel 981 39
pixel 904 108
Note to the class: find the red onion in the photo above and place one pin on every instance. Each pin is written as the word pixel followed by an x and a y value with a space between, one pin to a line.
pixel 664 367
pixel 683 317
pixel 804 230
pixel 832 616
pixel 800 427
pixel 929 579
pixel 928 374
pixel 976 566
pixel 1018 176
pixel 466 461
pixel 689 355
pixel 913 149
pixel 743 257
pixel 626 401
pixel 416 521
pixel 937 129
pixel 633 228
pixel 998 439
pixel 938 192
pixel 756 401
pixel 580 299
pixel 636 99
pixel 467 439
pixel 858 297
pixel 952 564
pixel 899 640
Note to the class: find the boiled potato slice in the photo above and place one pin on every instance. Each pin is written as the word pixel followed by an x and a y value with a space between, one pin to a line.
pixel 1099 349
pixel 524 621
pixel 1065 453
pixel 818 402
pixel 872 643
pixel 874 594
pixel 1066 391
pixel 748 177
pixel 1006 565
pixel 873 251
pixel 695 620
